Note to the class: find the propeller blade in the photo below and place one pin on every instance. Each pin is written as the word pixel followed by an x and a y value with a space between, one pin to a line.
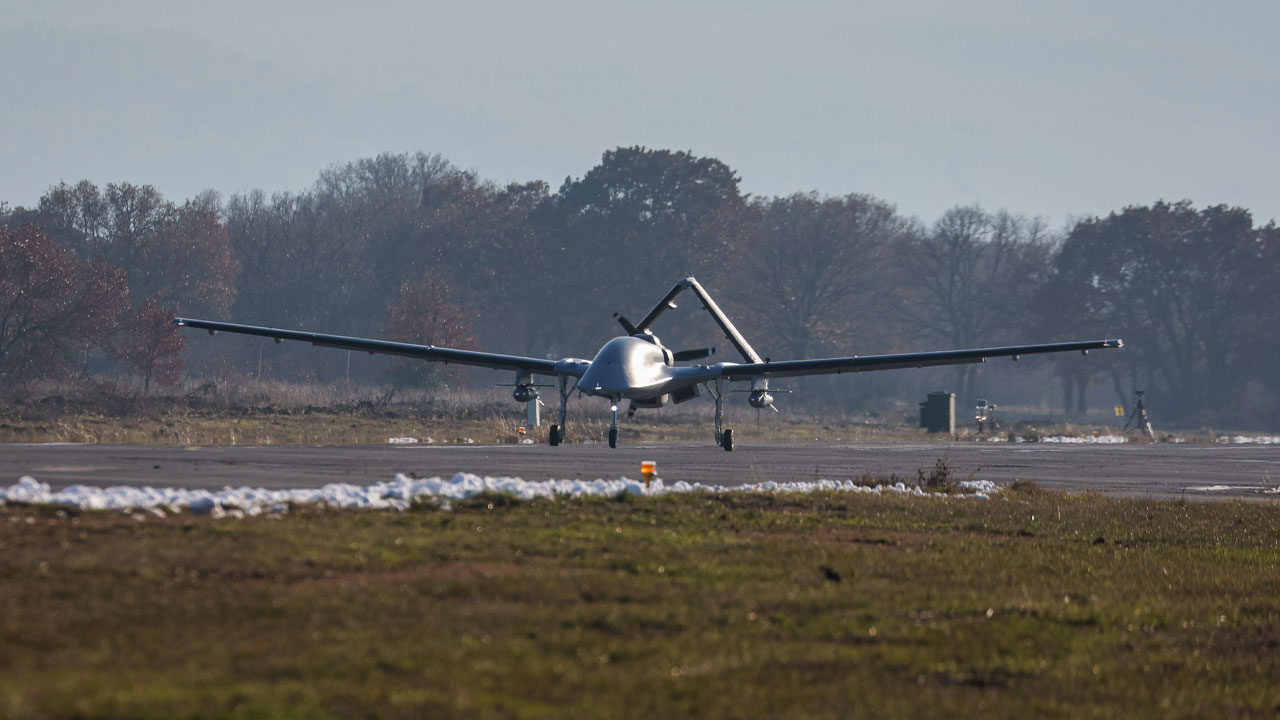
pixel 684 355
pixel 625 323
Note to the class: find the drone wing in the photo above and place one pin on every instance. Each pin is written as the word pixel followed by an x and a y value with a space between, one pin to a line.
pixel 793 368
pixel 385 347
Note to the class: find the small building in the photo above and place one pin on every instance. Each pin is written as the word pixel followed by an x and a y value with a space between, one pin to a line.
pixel 938 412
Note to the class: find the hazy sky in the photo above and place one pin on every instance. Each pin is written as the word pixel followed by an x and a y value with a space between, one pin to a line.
pixel 1058 109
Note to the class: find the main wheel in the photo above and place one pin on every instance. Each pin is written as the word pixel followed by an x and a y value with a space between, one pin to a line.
pixel 613 437
pixel 727 441
pixel 553 438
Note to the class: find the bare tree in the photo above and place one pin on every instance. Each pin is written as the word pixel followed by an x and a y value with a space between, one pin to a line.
pixel 178 255
pixel 813 267
pixel 967 281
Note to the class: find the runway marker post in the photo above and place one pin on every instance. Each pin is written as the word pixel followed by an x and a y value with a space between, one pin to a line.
pixel 648 469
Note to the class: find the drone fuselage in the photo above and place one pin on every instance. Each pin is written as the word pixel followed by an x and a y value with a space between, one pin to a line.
pixel 631 367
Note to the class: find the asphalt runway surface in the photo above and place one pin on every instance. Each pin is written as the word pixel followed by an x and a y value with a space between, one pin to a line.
pixel 1165 471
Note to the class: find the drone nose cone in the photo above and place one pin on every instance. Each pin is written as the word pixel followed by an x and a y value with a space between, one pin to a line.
pixel 608 373
pixel 595 382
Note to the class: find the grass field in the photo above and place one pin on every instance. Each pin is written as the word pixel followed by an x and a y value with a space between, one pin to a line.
pixel 1031 604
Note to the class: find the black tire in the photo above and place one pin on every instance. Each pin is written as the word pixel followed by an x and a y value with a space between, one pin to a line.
pixel 553 438
pixel 726 441
pixel 613 437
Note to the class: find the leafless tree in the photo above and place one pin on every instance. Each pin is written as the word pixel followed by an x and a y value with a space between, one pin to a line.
pixel 814 268
pixel 967 281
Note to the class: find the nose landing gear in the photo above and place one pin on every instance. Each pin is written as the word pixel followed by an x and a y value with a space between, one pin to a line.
pixel 613 427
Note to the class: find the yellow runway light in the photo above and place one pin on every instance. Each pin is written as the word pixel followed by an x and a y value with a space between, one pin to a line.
pixel 648 469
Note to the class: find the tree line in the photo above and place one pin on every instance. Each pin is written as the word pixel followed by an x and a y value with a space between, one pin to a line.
pixel 412 247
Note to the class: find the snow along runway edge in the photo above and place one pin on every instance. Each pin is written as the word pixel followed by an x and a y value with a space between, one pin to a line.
pixel 403 491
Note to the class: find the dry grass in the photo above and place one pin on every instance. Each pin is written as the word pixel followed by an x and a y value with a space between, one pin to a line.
pixel 247 412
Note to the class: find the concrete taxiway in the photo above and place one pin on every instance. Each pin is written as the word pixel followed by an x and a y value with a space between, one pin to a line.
pixel 1164 471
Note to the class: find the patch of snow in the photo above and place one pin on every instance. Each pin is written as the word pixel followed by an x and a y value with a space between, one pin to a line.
pixel 980 488
pixel 1242 440
pixel 1088 439
pixel 402 441
pixel 401 492
pixel 205 506
pixel 526 441
pixel 1221 488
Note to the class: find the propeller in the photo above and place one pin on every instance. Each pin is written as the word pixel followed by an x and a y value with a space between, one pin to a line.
pixel 698 354
pixel 625 323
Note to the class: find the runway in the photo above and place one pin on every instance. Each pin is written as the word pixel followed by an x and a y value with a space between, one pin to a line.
pixel 1165 471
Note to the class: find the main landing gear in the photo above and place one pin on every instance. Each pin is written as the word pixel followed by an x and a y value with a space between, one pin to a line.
pixel 724 436
pixel 556 436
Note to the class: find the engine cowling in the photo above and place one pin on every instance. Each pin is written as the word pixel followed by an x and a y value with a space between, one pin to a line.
pixel 760 399
pixel 525 393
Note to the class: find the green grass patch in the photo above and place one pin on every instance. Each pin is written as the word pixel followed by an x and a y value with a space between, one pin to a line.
pixel 1033 604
